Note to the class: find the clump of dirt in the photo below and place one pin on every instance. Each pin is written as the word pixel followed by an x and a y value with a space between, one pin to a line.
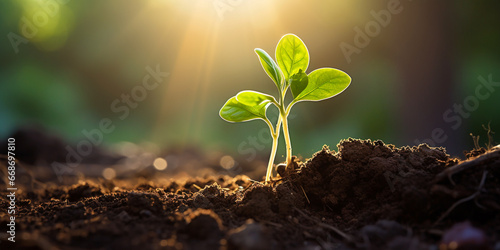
pixel 474 153
pixel 366 181
pixel 369 195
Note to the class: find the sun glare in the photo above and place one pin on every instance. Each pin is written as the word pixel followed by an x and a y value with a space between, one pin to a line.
pixel 209 37
pixel 190 78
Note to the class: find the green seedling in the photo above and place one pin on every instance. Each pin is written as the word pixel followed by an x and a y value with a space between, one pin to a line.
pixel 288 72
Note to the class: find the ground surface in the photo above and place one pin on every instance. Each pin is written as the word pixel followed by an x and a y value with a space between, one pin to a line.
pixel 369 195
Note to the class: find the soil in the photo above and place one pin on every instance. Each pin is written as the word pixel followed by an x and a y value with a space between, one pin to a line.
pixel 368 195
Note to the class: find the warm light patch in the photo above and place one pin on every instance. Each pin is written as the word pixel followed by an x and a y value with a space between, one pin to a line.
pixel 227 162
pixel 109 173
pixel 160 164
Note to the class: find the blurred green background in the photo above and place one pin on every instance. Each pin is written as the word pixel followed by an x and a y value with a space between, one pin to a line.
pixel 63 64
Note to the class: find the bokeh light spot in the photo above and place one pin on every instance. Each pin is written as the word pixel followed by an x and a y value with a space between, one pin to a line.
pixel 227 162
pixel 109 173
pixel 160 164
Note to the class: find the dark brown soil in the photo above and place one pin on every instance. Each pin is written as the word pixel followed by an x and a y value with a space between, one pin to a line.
pixel 369 195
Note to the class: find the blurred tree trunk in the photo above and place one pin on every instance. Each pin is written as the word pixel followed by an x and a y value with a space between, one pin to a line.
pixel 423 54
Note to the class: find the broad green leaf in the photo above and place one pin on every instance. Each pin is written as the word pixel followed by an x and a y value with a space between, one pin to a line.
pixel 298 83
pixel 291 56
pixel 270 67
pixel 253 98
pixel 234 111
pixel 324 83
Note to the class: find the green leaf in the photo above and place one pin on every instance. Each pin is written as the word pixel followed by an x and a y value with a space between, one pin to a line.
pixel 324 83
pixel 270 67
pixel 291 55
pixel 254 98
pixel 298 83
pixel 235 111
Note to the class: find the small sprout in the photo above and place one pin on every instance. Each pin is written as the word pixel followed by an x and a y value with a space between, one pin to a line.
pixel 280 168
pixel 292 59
pixel 476 141
pixel 489 133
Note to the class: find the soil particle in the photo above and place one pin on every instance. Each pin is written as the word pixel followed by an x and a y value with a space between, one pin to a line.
pixel 257 203
pixel 83 190
pixel 141 202
pixel 382 233
pixel 203 229
pixel 474 153
pixel 464 236
pixel 123 216
pixel 250 236
pixel 203 224
pixel 288 199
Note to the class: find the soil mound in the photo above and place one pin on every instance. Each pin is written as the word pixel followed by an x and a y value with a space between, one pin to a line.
pixel 369 195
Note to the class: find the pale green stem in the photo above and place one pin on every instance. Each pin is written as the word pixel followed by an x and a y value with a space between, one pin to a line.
pixel 286 134
pixel 275 136
pixel 287 112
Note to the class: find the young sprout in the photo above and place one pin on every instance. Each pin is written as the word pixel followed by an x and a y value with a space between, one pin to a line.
pixel 289 72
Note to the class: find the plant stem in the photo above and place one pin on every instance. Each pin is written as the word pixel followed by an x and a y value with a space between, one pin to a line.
pixel 286 134
pixel 275 136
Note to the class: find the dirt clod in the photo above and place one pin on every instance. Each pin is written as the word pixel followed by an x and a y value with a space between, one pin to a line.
pixel 250 236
